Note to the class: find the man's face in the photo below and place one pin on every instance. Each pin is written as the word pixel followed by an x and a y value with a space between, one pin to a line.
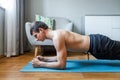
pixel 39 36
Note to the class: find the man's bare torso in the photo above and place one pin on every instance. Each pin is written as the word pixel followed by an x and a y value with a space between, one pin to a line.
pixel 74 41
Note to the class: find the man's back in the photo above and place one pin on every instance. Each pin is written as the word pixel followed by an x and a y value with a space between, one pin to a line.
pixel 73 41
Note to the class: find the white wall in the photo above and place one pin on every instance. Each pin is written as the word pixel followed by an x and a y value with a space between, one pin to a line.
pixel 75 10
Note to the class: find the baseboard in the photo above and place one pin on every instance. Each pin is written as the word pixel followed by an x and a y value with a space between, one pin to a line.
pixel 1 56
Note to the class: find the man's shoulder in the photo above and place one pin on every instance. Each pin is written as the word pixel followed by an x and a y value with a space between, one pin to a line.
pixel 58 35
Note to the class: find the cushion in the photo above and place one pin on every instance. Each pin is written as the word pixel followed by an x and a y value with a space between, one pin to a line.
pixel 47 20
pixel 67 27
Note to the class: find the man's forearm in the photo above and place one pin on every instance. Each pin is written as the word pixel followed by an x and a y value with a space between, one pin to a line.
pixel 56 65
pixel 50 59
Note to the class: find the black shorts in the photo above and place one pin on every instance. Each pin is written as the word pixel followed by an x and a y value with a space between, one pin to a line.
pixel 103 47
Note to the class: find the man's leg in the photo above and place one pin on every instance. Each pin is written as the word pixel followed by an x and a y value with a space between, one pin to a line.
pixel 116 50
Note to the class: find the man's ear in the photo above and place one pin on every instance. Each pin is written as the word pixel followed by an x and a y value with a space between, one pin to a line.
pixel 41 30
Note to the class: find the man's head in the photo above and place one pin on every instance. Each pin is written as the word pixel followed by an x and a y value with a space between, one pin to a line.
pixel 37 30
pixel 36 25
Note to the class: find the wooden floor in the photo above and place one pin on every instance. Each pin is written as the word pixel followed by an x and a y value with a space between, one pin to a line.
pixel 9 70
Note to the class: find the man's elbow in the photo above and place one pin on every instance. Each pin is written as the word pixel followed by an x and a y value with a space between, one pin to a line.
pixel 62 66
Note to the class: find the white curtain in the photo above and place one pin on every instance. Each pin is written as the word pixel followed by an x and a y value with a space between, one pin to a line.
pixel 15 42
pixel 10 28
pixel 14 27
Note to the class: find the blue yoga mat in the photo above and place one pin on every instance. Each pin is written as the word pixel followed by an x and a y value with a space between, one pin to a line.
pixel 80 66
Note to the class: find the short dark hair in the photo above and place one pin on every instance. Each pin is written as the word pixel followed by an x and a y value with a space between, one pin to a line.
pixel 36 25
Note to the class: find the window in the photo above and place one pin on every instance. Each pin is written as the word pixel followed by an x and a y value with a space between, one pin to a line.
pixel 3 3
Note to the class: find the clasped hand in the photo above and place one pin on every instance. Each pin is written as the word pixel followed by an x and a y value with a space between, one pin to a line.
pixel 36 62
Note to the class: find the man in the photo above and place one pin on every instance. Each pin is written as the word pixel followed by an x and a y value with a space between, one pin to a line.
pixel 98 45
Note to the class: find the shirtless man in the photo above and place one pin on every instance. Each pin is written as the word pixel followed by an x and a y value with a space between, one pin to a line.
pixel 98 45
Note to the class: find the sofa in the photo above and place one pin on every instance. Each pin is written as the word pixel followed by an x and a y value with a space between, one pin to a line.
pixel 59 23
